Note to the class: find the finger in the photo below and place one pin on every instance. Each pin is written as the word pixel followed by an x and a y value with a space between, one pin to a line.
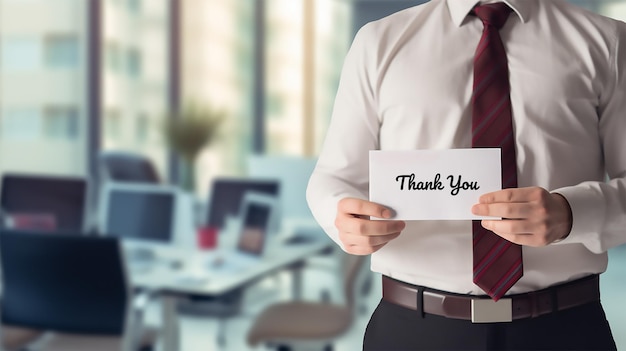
pixel 510 226
pixel 521 232
pixel 519 239
pixel 505 210
pixel 368 227
pixel 527 239
pixel 363 250
pixel 513 195
pixel 361 207
pixel 371 241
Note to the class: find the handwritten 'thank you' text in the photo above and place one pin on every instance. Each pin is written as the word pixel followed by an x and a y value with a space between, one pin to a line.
pixel 456 184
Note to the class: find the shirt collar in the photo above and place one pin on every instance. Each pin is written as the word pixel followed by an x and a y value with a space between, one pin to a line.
pixel 459 9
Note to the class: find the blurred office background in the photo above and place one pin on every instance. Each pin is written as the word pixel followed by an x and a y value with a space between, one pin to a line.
pixel 83 78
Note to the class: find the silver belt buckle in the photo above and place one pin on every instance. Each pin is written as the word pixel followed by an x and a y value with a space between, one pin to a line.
pixel 489 311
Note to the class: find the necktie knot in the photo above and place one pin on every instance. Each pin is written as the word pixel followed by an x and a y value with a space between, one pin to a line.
pixel 494 15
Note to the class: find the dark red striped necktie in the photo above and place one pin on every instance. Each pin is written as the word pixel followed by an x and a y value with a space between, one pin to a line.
pixel 497 262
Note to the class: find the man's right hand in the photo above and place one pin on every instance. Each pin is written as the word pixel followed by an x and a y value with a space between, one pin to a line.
pixel 360 235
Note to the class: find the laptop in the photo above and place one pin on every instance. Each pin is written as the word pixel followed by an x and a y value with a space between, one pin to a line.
pixel 257 217
pixel 227 196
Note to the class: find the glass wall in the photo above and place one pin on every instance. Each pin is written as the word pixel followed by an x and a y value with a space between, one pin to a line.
pixel 44 85
pixel 306 40
pixel 218 63
pixel 217 74
pixel 135 77
pixel 614 9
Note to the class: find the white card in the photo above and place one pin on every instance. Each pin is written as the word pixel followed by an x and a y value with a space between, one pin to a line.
pixel 434 184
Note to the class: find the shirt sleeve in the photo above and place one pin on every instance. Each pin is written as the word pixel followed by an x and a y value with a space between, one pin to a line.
pixel 599 208
pixel 342 168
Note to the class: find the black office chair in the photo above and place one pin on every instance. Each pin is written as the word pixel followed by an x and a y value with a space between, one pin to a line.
pixel 122 166
pixel 73 286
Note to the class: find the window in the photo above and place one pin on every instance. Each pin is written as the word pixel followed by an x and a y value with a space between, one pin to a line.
pixel 112 125
pixel 134 6
pixel 275 108
pixel 61 51
pixel 23 124
pixel 616 10
pixel 142 128
pixel 306 41
pixel 134 63
pixel 113 57
pixel 20 54
pixel 60 123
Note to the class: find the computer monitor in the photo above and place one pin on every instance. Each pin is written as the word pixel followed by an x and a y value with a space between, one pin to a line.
pixel 293 173
pixel 227 194
pixel 138 213
pixel 63 199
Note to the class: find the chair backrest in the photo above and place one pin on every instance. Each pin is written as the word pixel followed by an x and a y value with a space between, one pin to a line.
pixel 123 166
pixel 64 283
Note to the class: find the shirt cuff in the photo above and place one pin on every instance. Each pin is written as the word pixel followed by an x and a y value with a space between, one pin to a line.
pixel 587 207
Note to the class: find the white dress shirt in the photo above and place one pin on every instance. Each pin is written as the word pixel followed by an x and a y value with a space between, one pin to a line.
pixel 406 84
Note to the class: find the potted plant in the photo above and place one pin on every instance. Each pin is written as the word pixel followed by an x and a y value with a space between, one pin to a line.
pixel 188 132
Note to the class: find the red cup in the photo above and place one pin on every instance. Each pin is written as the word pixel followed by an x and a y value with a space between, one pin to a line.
pixel 207 238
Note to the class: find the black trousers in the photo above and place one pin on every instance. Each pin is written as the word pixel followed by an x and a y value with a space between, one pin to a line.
pixel 395 328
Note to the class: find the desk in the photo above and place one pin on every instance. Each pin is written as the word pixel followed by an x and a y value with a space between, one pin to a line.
pixel 166 280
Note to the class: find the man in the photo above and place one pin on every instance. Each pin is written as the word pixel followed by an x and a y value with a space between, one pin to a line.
pixel 551 78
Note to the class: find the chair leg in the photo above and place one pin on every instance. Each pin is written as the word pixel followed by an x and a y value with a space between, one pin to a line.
pixel 221 333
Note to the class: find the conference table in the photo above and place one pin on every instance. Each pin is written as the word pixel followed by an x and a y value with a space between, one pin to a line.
pixel 181 272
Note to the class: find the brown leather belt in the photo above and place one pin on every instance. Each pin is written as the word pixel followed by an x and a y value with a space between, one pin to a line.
pixel 480 309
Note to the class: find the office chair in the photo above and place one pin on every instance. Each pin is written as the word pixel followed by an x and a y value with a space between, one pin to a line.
pixel 293 173
pixel 287 325
pixel 15 338
pixel 74 287
pixel 122 166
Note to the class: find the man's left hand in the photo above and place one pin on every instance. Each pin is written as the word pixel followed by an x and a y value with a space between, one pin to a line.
pixel 532 216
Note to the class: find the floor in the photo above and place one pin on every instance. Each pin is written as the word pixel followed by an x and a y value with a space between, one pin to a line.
pixel 199 333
